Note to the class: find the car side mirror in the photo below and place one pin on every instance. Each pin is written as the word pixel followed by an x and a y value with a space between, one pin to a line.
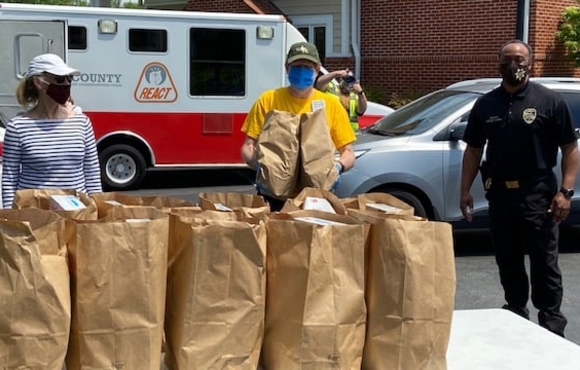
pixel 457 130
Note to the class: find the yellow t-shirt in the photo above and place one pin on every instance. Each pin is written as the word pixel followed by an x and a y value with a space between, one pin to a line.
pixel 281 99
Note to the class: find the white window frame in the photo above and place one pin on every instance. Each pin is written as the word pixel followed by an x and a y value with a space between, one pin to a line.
pixel 311 21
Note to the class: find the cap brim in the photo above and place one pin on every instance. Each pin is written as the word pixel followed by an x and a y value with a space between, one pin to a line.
pixel 303 57
pixel 63 71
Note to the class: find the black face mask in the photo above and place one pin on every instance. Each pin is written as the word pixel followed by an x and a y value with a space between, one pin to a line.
pixel 514 74
pixel 58 93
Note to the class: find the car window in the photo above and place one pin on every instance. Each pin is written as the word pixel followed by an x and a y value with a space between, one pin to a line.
pixel 573 101
pixel 424 113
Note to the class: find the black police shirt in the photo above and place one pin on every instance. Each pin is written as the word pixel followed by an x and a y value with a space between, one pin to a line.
pixel 523 130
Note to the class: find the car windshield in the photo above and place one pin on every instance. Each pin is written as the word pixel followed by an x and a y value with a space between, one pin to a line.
pixel 422 114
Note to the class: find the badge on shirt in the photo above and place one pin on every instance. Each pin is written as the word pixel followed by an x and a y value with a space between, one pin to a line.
pixel 317 104
pixel 529 115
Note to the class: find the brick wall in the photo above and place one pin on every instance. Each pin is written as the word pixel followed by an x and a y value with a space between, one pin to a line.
pixel 426 44
pixel 416 46
pixel 421 45
pixel 549 54
pixel 224 6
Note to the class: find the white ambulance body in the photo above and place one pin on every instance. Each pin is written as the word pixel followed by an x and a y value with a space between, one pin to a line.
pixel 162 88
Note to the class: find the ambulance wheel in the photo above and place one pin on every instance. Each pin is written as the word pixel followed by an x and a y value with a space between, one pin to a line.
pixel 122 167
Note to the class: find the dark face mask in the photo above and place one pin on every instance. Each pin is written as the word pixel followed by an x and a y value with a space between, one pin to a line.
pixel 58 93
pixel 514 74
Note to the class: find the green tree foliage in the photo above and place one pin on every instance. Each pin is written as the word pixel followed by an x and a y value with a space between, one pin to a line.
pixel 126 4
pixel 132 5
pixel 569 32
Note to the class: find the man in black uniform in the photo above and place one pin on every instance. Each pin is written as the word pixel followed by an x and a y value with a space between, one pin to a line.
pixel 523 124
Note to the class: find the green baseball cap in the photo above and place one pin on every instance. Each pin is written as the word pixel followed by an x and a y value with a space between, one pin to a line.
pixel 303 50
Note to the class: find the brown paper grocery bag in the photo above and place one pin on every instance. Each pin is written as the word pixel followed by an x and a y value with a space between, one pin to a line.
pixel 40 198
pixel 317 150
pixel 378 202
pixel 215 293
pixel 278 154
pixel 299 202
pixel 108 200
pixel 119 270
pixel 410 292
pixel 315 309
pixel 34 290
pixel 249 205
pixel 197 216
pixel 165 203
pixel 200 215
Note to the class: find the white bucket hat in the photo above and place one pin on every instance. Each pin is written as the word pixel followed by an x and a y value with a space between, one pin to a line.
pixel 50 63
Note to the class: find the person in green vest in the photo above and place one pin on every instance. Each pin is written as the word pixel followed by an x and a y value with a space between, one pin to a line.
pixel 349 92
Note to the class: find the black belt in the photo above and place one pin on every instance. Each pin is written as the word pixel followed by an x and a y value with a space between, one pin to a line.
pixel 513 184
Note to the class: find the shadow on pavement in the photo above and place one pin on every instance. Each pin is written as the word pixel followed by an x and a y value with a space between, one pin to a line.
pixel 570 239
pixel 186 178
pixel 472 242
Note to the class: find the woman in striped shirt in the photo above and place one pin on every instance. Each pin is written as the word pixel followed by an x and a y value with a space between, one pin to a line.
pixel 48 146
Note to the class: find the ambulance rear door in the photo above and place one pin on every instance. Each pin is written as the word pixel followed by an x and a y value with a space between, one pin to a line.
pixel 20 41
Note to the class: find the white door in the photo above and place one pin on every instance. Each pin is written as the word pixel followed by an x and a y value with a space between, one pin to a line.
pixel 20 41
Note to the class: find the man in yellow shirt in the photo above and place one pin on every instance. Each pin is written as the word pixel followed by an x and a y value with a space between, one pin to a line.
pixel 302 66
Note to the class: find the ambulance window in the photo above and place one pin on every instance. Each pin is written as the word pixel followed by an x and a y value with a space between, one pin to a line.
pixel 77 38
pixel 217 71
pixel 148 40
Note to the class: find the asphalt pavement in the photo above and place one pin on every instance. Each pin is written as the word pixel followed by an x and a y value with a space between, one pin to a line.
pixel 478 284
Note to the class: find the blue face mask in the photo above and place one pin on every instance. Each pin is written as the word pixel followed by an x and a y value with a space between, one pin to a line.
pixel 301 77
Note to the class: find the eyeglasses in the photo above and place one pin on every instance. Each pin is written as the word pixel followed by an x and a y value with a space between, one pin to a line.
pixel 61 79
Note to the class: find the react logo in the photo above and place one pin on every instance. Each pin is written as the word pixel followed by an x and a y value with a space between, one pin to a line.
pixel 155 75
pixel 155 85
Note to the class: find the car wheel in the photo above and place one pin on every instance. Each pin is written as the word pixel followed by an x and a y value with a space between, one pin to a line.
pixel 411 200
pixel 122 167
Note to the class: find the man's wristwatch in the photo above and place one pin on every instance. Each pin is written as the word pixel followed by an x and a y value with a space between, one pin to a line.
pixel 568 193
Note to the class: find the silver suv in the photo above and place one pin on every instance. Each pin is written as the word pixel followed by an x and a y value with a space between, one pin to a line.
pixel 415 153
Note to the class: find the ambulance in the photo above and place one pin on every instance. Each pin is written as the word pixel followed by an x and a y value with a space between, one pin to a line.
pixel 163 89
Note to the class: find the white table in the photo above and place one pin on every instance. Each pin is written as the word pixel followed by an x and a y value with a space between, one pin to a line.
pixel 497 339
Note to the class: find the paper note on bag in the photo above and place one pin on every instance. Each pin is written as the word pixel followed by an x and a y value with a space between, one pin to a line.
pixel 65 203
pixel 113 202
pixel 318 204
pixel 137 220
pixel 383 207
pixel 221 207
pixel 318 221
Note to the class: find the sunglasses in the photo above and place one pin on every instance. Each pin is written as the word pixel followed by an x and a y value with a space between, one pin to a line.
pixel 61 79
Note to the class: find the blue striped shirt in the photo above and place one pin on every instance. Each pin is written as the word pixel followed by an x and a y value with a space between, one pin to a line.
pixel 50 154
